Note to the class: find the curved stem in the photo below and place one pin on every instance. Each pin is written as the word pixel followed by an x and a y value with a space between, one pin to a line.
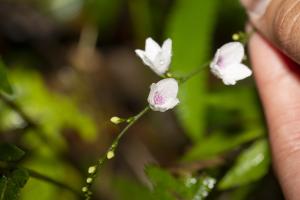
pixel 42 177
pixel 52 181
pixel 93 170
pixel 193 73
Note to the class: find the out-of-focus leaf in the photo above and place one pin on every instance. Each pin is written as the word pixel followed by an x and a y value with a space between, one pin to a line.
pixel 164 183
pixel 218 144
pixel 8 189
pixel 242 192
pixel 129 190
pixel 52 110
pixel 20 176
pixel 191 26
pixel 9 152
pixel 168 187
pixel 51 166
pixel 240 98
pixel 11 185
pixel 250 166
pixel 4 83
pixel 198 188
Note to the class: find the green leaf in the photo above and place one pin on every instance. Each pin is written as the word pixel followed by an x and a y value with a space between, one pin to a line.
pixel 241 98
pixel 20 176
pixel 189 188
pixel 45 106
pixel 11 185
pixel 9 152
pixel 191 26
pixel 250 166
pixel 163 182
pixel 3 186
pixel 218 144
pixel 130 190
pixel 50 165
pixel 8 190
pixel 4 83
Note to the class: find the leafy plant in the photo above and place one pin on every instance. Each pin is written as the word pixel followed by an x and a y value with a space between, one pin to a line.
pixel 251 165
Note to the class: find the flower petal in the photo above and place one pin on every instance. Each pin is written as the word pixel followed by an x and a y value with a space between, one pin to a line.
pixel 230 53
pixel 172 103
pixel 167 47
pixel 151 48
pixel 162 63
pixel 151 94
pixel 166 89
pixel 169 87
pixel 144 58
pixel 235 73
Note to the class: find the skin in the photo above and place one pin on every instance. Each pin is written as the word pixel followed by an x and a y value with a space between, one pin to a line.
pixel 277 76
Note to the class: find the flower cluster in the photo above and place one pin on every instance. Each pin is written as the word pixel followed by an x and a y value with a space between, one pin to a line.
pixel 163 94
pixel 226 65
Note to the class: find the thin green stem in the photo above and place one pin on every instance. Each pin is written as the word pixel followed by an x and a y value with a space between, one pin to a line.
pixel 193 73
pixel 52 181
pixel 93 170
pixel 9 166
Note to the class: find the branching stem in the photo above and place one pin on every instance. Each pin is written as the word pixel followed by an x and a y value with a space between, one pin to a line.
pixel 93 170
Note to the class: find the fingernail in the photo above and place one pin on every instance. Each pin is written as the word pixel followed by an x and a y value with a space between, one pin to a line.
pixel 256 8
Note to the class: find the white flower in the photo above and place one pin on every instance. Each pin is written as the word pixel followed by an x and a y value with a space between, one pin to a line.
pixel 227 63
pixel 156 57
pixel 163 95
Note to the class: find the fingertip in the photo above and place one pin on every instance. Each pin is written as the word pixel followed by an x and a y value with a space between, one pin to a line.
pixel 279 87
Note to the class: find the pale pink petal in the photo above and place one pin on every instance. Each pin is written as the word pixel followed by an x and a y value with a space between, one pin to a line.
pixel 228 54
pixel 152 48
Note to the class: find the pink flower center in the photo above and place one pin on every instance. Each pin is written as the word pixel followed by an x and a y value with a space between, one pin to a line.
pixel 158 99
pixel 220 62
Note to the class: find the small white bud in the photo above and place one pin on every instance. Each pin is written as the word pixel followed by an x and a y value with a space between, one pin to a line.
pixel 116 120
pixel 110 155
pixel 92 169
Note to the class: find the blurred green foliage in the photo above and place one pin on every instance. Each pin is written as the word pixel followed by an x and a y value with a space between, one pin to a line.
pixel 192 34
pixel 40 103
pixel 11 185
pixel 220 123
pixel 166 186
pixel 250 166
pixel 14 179
pixel 10 153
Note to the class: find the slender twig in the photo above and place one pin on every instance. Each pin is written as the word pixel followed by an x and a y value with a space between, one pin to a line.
pixel 52 181
pixel 93 170
pixel 193 73
pixel 30 123
pixel 10 166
